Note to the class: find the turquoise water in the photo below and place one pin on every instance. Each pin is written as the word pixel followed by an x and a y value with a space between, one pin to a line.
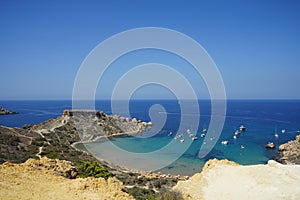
pixel 261 117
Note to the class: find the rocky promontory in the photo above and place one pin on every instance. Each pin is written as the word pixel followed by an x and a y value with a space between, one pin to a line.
pixel 4 111
pixel 290 152
pixel 55 138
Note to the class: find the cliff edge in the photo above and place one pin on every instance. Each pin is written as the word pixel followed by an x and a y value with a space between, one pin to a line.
pixel 228 180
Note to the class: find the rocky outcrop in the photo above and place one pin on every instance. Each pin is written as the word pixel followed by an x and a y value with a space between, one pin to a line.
pixel 60 167
pixel 290 152
pixel 4 111
pixel 228 180
pixel 40 180
pixel 95 125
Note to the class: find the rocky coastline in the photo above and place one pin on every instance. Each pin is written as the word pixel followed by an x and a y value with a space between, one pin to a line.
pixel 289 153
pixel 4 111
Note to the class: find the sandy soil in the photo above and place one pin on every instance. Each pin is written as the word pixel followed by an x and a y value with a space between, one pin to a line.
pixel 227 180
pixel 25 182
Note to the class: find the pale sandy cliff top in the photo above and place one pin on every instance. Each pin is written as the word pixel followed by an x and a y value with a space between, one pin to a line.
pixel 29 181
pixel 228 180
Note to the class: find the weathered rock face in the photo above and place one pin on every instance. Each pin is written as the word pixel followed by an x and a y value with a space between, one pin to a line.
pixel 290 152
pixel 60 167
pixel 40 180
pixel 4 111
pixel 228 180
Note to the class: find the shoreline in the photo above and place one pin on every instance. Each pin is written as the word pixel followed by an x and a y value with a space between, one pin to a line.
pixel 125 169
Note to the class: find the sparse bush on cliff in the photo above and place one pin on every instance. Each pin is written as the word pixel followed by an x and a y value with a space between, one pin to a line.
pixel 141 193
pixel 170 195
pixel 148 194
pixel 93 169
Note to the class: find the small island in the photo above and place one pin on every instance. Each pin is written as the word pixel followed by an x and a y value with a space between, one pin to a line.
pixel 4 111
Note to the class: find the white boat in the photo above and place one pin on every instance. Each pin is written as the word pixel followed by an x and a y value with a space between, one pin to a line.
pixel 170 134
pixel 202 135
pixel 204 130
pixel 225 142
pixel 194 138
pixel 188 131
pixel 242 128
pixel 237 132
pixel 234 137
pixel 283 131
pixel 182 140
pixel 177 136
pixel 276 134
pixel 212 138
pixel 242 147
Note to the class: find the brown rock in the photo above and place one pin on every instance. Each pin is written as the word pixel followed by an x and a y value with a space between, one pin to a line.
pixel 36 179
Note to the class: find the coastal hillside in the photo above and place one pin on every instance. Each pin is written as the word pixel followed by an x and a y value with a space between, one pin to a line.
pixel 54 138
pixel 222 179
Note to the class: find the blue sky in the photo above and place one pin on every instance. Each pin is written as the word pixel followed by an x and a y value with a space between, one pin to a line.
pixel 255 44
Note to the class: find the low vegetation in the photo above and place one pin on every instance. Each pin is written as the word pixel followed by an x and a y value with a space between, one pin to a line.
pixel 93 169
pixel 148 194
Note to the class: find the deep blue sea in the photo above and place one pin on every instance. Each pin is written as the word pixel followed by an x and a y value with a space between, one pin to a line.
pixel 262 119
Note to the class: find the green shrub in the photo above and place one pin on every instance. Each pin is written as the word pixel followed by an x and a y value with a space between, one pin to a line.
pixel 170 195
pixel 141 193
pixel 93 169
pixel 52 155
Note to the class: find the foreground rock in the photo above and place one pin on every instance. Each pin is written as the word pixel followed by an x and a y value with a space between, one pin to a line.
pixel 40 180
pixel 228 180
pixel 4 111
pixel 290 152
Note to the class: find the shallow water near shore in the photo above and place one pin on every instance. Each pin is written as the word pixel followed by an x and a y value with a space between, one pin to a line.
pixel 261 118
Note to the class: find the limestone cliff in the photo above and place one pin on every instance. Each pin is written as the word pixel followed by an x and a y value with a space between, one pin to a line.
pixel 228 180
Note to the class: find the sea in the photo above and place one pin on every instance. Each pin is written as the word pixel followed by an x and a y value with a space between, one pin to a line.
pixel 262 119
